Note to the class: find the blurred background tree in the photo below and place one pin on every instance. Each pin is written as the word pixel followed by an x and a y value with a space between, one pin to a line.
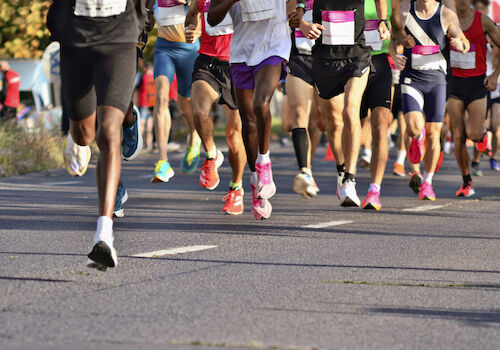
pixel 23 33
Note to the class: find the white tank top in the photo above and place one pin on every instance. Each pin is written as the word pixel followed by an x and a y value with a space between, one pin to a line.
pixel 254 39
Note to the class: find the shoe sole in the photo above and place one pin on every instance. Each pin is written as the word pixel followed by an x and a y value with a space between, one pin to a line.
pixel 158 179
pixel 415 184
pixel 268 194
pixel 371 206
pixel 232 213
pixel 259 216
pixel 68 169
pixel 348 202
pixel 427 198
pixel 300 186
pixel 140 144
pixel 102 254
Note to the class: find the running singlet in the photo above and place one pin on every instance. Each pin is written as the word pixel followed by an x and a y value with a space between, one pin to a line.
pixel 215 41
pixel 259 36
pixel 472 63
pixel 300 44
pixel 81 23
pixel 170 16
pixel 147 90
pixel 372 36
pixel 344 21
pixel 426 62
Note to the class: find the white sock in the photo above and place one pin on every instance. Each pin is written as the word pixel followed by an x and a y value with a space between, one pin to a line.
pixel 374 188
pixel 428 177
pixel 104 230
pixel 367 152
pixel 263 158
pixel 212 154
pixel 401 157
pixel 253 178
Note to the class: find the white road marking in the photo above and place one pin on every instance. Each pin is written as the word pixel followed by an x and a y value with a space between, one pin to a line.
pixel 61 183
pixel 174 251
pixel 424 208
pixel 328 224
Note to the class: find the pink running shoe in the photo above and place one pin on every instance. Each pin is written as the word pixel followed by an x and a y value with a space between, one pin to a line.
pixel 416 149
pixel 426 192
pixel 261 208
pixel 372 201
pixel 266 186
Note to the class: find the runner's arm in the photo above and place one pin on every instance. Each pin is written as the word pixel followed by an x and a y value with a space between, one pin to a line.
pixel 150 20
pixel 218 10
pixel 191 22
pixel 452 27
pixel 381 6
pixel 493 34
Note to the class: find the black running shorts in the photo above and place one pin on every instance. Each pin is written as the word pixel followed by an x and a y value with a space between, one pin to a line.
pixel 467 90
pixel 217 74
pixel 100 75
pixel 379 88
pixel 330 76
pixel 301 66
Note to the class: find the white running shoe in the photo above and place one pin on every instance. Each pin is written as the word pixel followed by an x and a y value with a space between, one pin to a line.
pixel 76 157
pixel 304 184
pixel 103 254
pixel 348 195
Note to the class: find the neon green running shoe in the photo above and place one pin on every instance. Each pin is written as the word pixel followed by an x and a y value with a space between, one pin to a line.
pixel 163 172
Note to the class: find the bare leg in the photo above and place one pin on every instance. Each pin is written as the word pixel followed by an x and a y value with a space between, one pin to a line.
pixel 162 118
pixel 381 118
pixel 234 140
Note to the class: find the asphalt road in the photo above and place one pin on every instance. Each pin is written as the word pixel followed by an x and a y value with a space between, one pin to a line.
pixel 314 275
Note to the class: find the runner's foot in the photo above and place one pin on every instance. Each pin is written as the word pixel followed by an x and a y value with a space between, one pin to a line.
pixel 234 202
pixel 372 201
pixel 209 176
pixel 132 139
pixel 121 198
pixel 76 157
pixel 415 182
pixel 163 172
pixel 191 159
pixel 348 195
pixel 303 184
pixel 416 149
pixel 266 186
pixel 399 169
pixel 426 192
pixel 466 190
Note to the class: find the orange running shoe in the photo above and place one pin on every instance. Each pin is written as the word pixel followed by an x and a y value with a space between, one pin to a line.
pixel 209 177
pixel 466 191
pixel 483 144
pixel 234 202
pixel 399 169
pixel 440 161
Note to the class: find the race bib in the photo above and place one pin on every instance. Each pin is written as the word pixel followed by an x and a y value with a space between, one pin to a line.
pixel 256 10
pixel 426 57
pixel 339 27
pixel 223 28
pixel 304 45
pixel 463 60
pixel 372 36
pixel 99 8
pixel 170 12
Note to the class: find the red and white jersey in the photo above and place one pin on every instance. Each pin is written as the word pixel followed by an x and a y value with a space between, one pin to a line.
pixel 215 41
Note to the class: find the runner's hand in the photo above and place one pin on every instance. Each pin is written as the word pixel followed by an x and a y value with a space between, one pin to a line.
pixel 150 21
pixel 459 45
pixel 400 61
pixel 491 82
pixel 191 33
pixel 408 41
pixel 295 17
pixel 384 32
pixel 311 30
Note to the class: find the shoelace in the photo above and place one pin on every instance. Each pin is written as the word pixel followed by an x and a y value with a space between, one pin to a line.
pixel 264 172
pixel 231 194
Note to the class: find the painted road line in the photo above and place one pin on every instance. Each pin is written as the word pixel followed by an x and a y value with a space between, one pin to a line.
pixel 174 251
pixel 328 224
pixel 61 183
pixel 424 208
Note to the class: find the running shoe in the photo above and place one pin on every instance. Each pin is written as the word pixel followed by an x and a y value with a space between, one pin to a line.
pixel 315 186
pixel 415 182
pixel 440 161
pixel 191 159
pixel 494 164
pixel 266 186
pixel 76 157
pixel 348 195
pixel 466 190
pixel 132 139
pixel 163 172
pixel 365 160
pixel 121 198
pixel 209 177
pixel 303 184
pixel 102 254
pixel 475 170
pixel 261 208
pixel 426 192
pixel 416 149
pixel 234 202
pixel 483 144
pixel 372 201
pixel 399 169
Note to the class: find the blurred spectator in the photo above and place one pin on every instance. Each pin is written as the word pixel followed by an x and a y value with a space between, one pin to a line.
pixel 147 94
pixel 10 94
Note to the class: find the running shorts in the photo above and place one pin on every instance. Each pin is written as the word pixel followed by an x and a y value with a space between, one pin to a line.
pixel 217 74
pixel 301 66
pixel 171 58
pixel 99 75
pixel 330 76
pixel 379 89
pixel 244 76
pixel 468 90
pixel 427 98
pixel 396 101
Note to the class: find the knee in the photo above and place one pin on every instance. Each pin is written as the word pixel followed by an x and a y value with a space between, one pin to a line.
pixel 474 134
pixel 233 138
pixel 350 114
pixel 108 134
pixel 261 107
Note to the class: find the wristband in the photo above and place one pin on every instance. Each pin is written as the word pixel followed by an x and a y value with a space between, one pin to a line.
pixel 385 21
pixel 301 5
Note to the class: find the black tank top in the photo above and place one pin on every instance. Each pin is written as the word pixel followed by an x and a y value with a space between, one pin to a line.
pixel 356 49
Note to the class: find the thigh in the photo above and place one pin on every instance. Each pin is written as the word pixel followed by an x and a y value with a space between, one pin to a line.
pixel 184 62
pixel 435 104
pixel 299 94
pixel 412 99
pixel 477 112
pixel 245 97
pixel 355 88
pixel 114 75
pixel 456 109
pixel 163 63
pixel 203 96
pixel 233 119
pixel 495 116
pixel 266 81
pixel 77 72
